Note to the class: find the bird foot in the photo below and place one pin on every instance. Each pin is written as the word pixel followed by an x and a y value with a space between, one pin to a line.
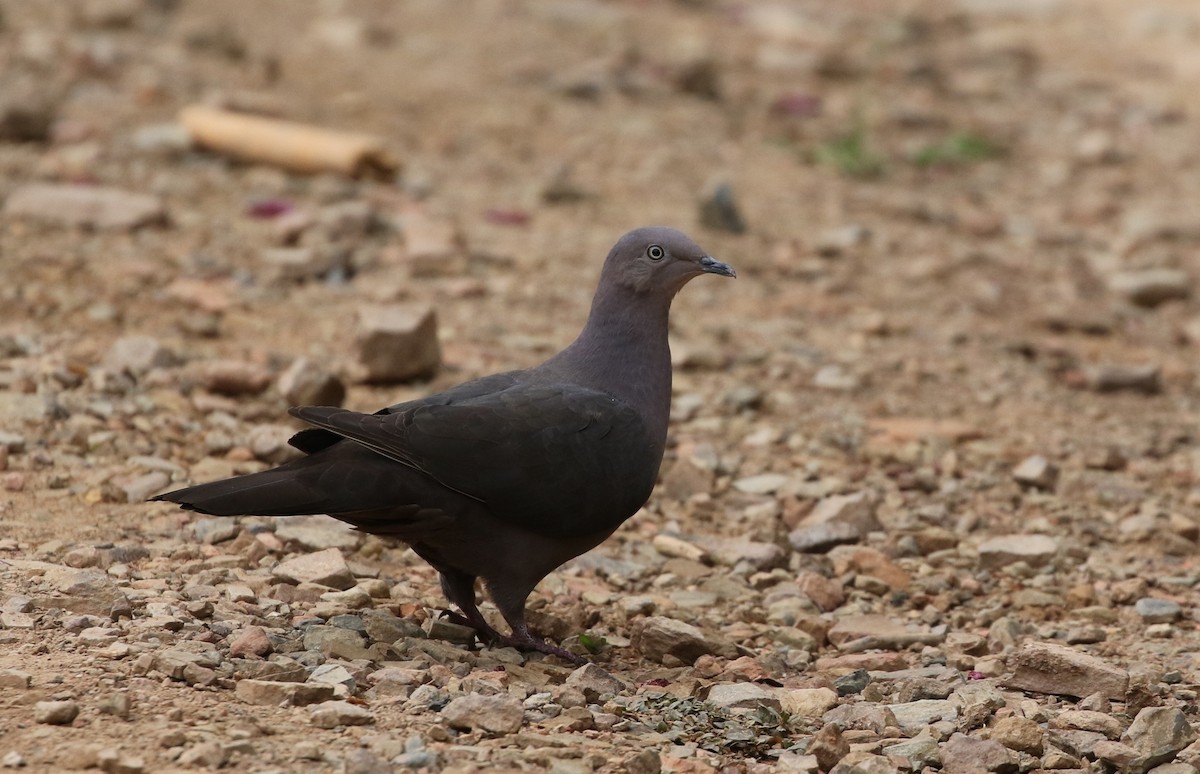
pixel 529 642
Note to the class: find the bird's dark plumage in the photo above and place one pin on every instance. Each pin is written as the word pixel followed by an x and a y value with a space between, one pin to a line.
pixel 506 477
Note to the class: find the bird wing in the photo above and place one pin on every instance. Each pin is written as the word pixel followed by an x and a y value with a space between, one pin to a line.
pixel 315 439
pixel 559 460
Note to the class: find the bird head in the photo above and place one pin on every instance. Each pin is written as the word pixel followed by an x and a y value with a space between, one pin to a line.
pixel 659 260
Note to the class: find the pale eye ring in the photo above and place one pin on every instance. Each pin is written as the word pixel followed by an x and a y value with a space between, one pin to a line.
pixel 655 253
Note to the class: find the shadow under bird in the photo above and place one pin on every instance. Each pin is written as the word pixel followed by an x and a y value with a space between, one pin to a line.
pixel 509 476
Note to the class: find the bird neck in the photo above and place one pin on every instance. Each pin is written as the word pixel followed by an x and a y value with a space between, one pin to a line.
pixel 623 351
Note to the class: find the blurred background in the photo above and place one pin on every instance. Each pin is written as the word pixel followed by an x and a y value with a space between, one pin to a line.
pixel 964 331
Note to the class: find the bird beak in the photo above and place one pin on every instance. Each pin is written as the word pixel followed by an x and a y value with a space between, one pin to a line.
pixel 710 265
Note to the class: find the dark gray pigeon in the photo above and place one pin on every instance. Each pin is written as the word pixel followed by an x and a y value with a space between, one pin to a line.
pixel 506 477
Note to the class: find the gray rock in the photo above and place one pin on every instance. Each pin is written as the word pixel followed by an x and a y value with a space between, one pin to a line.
pixel 1045 667
pixel 1021 734
pixel 317 533
pixel 498 715
pixel 962 754
pixel 666 640
pixel 86 591
pixel 396 343
pixel 1037 472
pixel 333 674
pixel 594 682
pixel 1088 720
pixel 719 210
pixel 1114 377
pixel 280 694
pixel 1155 611
pixel 921 751
pixel 914 716
pixel 88 206
pixel 55 713
pixel 334 641
pixel 1159 734
pixel 232 377
pixel 306 383
pixel 828 746
pixel 1120 756
pixel 977 702
pixel 331 714
pixel 140 488
pixel 748 696
pixel 137 354
pixel 216 530
pixel 1034 550
pixel 1151 287
pixel 836 520
pixel 15 679
pixel 326 568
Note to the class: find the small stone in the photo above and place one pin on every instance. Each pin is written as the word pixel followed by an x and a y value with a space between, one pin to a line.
pixel 807 703
pixel 1086 720
pixel 269 692
pixel 137 355
pixel 1037 472
pixel 659 638
pixel 498 715
pixel 233 377
pixel 1021 734
pixel 836 520
pixel 962 754
pixel 210 755
pixel 1033 550
pixel 1159 734
pixel 317 533
pixel 852 683
pixel 763 484
pixel 140 488
pixel 333 674
pixel 828 746
pixel 594 682
pixel 1151 287
pixel 1157 611
pixel 397 343
pixel 326 568
pixel 719 210
pixel 12 760
pixel 1121 756
pixel 213 531
pixel 15 679
pixel 85 205
pixel 1114 377
pixel 921 752
pixel 747 696
pixel 331 714
pixel 306 383
pixel 1045 667
pixel 252 641
pixel 55 713
pixel 914 716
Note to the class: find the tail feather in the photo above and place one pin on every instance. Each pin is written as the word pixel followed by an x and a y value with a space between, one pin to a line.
pixel 277 492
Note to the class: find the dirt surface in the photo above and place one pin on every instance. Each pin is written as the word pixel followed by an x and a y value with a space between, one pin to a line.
pixel 931 493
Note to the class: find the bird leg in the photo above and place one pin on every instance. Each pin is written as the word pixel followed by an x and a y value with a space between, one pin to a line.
pixel 460 590
pixel 512 607
pixel 523 639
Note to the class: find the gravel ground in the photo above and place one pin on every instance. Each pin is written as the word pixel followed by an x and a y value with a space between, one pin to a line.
pixel 931 495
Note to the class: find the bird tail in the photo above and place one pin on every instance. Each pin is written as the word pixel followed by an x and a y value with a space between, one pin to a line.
pixel 276 492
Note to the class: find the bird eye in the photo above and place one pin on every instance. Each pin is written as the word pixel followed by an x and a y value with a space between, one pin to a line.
pixel 655 252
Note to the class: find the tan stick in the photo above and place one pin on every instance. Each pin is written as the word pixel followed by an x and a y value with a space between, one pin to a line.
pixel 286 144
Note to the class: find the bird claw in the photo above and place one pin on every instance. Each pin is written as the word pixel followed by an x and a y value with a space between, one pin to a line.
pixel 533 643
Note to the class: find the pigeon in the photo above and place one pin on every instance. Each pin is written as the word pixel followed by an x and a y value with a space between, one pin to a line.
pixel 506 477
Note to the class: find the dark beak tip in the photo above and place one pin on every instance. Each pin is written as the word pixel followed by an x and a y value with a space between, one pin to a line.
pixel 710 265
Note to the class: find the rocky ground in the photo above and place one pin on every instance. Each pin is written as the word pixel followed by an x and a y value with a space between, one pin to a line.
pixel 931 496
